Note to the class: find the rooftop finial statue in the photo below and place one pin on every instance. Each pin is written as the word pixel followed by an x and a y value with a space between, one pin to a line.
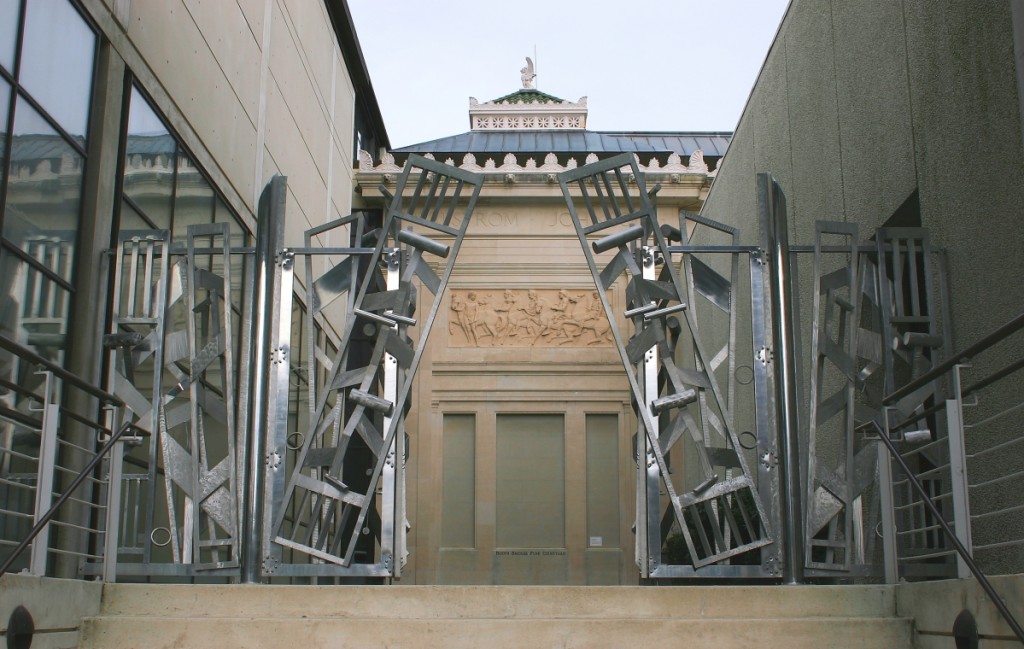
pixel 528 74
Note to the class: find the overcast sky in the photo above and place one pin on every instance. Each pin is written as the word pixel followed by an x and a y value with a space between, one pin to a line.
pixel 644 65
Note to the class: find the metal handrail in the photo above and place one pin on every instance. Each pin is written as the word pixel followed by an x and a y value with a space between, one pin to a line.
pixel 999 334
pixel 960 549
pixel 1014 325
pixel 82 475
pixel 58 371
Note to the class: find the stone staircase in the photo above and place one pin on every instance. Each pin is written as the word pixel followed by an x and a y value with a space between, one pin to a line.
pixel 496 617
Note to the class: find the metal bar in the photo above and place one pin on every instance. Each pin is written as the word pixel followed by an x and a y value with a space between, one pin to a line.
pixel 997 512
pixel 327 251
pixel 27 354
pixel 991 339
pixel 951 535
pixel 113 514
pixel 44 485
pixel 997 447
pixel 772 211
pixel 995 481
pixel 1000 544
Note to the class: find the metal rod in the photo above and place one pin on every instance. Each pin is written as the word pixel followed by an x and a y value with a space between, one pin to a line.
pixel 27 354
pixel 961 550
pixel 775 235
pixel 82 475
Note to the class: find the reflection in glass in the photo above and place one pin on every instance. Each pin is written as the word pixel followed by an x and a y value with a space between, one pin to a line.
pixel 193 197
pixel 35 307
pixel 45 186
pixel 57 62
pixel 149 162
pixel 8 32
pixel 5 99
pixel 132 220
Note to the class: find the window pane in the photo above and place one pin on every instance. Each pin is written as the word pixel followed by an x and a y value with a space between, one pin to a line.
pixel 34 308
pixel 8 32
pixel 193 198
pixel 602 481
pixel 530 496
pixel 45 185
pixel 5 99
pixel 57 62
pixel 132 220
pixel 458 520
pixel 149 162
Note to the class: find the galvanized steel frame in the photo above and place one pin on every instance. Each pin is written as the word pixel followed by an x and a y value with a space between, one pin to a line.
pixel 428 195
pixel 630 227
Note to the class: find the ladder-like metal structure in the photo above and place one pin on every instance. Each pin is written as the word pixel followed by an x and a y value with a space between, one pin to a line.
pixel 715 508
pixel 322 512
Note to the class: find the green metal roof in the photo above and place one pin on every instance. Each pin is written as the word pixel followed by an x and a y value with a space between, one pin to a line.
pixel 528 96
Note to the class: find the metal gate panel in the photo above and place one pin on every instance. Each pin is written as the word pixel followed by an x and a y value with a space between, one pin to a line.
pixel 197 420
pixel 136 350
pixel 172 361
pixel 622 235
pixel 322 513
pixel 841 464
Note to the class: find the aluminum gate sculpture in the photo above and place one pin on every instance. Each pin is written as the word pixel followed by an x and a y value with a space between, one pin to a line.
pixel 701 375
pixel 718 513
pixel 321 513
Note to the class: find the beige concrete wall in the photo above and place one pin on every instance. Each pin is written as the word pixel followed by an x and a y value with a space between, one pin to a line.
pixel 254 88
pixel 860 103
pixel 56 606
pixel 934 607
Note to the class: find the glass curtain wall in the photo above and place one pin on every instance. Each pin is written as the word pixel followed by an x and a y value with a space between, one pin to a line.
pixel 47 59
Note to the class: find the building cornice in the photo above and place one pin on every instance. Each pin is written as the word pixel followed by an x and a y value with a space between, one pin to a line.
pixel 510 172
pixel 509 114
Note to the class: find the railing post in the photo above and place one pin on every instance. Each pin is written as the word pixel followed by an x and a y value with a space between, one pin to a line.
pixel 112 528
pixel 958 473
pixel 887 513
pixel 269 240
pixel 44 485
pixel 771 204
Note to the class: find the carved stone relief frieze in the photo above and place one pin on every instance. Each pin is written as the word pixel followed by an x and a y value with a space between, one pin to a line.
pixel 527 318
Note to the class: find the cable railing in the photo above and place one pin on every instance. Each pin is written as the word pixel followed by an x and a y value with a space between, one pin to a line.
pixel 53 479
pixel 977 417
pixel 44 520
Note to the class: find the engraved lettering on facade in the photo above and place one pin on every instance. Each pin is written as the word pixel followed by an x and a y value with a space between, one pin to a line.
pixel 496 219
pixel 527 318
pixel 558 220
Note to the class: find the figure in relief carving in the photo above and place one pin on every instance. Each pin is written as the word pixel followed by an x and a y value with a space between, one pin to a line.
pixel 594 319
pixel 462 316
pixel 534 323
pixel 509 316
pixel 528 74
pixel 564 323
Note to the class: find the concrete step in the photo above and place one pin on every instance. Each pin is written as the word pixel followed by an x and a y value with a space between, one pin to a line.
pixel 609 633
pixel 428 617
pixel 434 602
